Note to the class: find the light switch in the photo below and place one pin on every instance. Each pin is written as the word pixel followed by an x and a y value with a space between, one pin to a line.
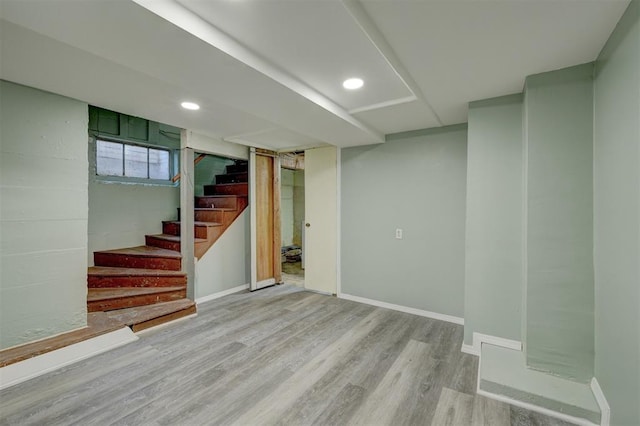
pixel 399 234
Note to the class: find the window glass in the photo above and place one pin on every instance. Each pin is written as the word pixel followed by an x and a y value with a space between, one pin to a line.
pixel 135 161
pixel 158 164
pixel 109 158
pixel 132 161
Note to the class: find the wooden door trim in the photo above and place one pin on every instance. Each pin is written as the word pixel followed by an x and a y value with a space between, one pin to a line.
pixel 253 221
pixel 276 226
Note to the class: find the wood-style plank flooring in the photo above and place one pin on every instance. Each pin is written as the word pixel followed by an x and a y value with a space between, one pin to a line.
pixel 281 355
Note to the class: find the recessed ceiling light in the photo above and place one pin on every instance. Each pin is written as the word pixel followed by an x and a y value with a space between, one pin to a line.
pixel 352 83
pixel 190 105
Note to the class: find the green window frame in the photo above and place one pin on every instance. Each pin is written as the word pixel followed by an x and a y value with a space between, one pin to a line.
pixel 132 162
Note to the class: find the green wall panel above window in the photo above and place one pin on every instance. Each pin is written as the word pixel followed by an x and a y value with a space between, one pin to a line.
pixel 110 124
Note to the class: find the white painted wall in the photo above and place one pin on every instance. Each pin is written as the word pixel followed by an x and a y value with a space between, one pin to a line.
pixel 321 204
pixel 43 214
pixel 209 145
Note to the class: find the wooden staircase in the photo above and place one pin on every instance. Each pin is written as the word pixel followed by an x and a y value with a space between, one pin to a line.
pixel 143 286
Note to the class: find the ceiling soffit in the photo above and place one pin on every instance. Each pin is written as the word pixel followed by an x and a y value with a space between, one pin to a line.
pixel 271 71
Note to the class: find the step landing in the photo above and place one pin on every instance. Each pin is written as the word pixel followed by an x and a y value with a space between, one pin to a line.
pixel 143 317
pixel 504 372
pixel 98 323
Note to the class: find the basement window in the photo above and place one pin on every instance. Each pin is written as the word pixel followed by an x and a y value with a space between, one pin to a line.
pixel 124 160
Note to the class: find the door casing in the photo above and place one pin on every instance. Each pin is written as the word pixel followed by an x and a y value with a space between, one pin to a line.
pixel 322 217
pixel 264 203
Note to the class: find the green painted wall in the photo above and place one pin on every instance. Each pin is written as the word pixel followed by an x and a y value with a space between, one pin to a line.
pixel 120 213
pixel 227 263
pixel 292 206
pixel 298 206
pixel 559 222
pixel 415 181
pixel 617 219
pixel 43 214
pixel 493 261
pixel 206 171
pixel 286 206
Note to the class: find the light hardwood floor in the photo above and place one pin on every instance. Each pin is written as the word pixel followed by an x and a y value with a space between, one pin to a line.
pixel 281 355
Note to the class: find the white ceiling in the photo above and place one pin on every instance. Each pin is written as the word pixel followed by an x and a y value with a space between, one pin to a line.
pixel 269 73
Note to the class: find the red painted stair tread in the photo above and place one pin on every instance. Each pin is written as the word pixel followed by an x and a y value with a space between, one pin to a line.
pixel 144 251
pixel 175 238
pixel 214 209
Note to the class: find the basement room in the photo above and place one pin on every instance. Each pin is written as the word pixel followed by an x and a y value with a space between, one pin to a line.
pixel 320 212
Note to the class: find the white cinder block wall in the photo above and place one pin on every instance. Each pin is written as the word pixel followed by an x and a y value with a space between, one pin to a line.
pixel 43 214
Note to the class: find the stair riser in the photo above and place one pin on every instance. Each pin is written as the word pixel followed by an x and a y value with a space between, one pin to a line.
pixel 230 202
pixel 171 228
pixel 213 216
pixel 94 281
pixel 232 189
pixel 233 178
pixel 237 168
pixel 152 241
pixel 169 245
pixel 199 231
pixel 132 301
pixel 127 261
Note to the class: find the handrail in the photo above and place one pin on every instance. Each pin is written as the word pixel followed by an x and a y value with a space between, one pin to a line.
pixel 198 159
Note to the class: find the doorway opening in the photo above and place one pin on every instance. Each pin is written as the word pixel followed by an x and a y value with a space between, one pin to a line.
pixel 292 217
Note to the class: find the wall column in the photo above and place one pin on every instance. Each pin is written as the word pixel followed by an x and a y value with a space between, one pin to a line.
pixel 186 213
pixel 559 284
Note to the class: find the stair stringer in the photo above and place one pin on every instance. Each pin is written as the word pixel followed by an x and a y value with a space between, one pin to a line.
pixel 201 249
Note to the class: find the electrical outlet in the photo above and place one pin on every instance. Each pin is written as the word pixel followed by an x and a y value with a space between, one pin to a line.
pixel 399 234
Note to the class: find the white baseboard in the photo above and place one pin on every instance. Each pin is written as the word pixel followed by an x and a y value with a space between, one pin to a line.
pixel 19 372
pixel 479 339
pixel 605 409
pixel 324 293
pixel 555 414
pixel 414 311
pixel 222 293
pixel 469 349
